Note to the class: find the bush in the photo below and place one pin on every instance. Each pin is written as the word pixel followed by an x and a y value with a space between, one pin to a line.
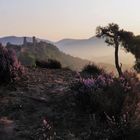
pixel 54 64
pixel 112 100
pixel 92 69
pixel 10 68
pixel 105 93
pixel 50 64
pixel 41 64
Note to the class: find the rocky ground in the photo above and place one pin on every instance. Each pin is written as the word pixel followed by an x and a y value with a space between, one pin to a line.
pixel 42 95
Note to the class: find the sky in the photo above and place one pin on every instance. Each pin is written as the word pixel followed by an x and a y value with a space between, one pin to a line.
pixel 58 19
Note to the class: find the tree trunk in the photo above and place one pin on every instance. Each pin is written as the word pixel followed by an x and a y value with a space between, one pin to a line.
pixel 118 67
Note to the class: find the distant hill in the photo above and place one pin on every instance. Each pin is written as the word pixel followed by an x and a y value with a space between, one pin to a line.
pixel 80 42
pixel 18 40
pixel 81 47
pixel 94 49
pixel 44 51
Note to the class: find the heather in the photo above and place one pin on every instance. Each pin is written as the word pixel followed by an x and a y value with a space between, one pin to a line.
pixel 10 68
pixel 111 102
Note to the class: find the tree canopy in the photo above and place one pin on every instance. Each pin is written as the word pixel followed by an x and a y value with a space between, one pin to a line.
pixel 114 36
pixel 134 48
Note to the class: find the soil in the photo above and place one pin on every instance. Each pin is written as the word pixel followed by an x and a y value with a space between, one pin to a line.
pixel 41 95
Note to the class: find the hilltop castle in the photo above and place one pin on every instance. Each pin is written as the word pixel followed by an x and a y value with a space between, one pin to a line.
pixel 26 43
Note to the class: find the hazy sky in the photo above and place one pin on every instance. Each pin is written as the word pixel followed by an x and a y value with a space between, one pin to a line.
pixel 57 19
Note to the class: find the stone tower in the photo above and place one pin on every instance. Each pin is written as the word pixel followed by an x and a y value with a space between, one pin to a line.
pixel 34 41
pixel 24 41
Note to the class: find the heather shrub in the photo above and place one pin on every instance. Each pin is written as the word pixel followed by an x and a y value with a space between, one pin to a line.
pixel 105 93
pixel 50 64
pixel 113 102
pixel 10 68
pixel 92 69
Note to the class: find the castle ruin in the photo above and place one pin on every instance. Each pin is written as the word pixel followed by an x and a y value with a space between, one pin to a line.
pixel 34 41
pixel 25 43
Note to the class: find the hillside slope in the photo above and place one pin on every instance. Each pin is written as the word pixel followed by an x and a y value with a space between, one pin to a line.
pixel 42 51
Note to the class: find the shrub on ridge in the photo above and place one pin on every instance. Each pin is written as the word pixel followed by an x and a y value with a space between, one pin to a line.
pixel 92 69
pixel 50 64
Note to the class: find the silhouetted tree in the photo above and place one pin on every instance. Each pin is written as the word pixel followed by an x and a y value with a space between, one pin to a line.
pixel 115 37
pixel 134 48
